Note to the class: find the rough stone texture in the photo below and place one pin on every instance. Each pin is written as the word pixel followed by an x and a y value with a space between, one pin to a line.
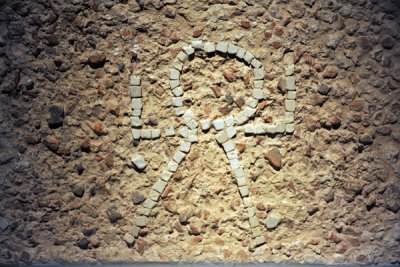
pixel 80 55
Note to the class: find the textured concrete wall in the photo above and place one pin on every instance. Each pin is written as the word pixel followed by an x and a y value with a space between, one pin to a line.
pixel 324 190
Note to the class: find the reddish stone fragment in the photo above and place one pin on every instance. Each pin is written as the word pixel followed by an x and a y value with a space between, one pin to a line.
pixel 163 41
pixel 32 139
pixel 158 91
pixel 341 249
pixel 241 147
pixel 245 24
pixel 171 207
pixel 354 241
pixel 240 102
pixel 178 227
pixel 217 91
pixel 361 258
pixel 64 150
pixel 292 186
pixel 278 186
pixel 335 121
pixel 178 176
pixel 248 80
pixel 98 128
pixel 298 53
pixel 126 34
pixel 297 132
pixel 97 60
pixel 141 245
pixel 314 242
pixel 174 37
pixel 167 191
pixel 276 44
pixel 259 139
pixel 262 105
pixel 268 119
pixel 278 31
pixel 229 75
pixel 194 230
pixel 335 238
pixel 260 206
pixel 274 157
pixel 227 253
pixel 197 33
pixel 242 255
pixel 206 214
pixel 101 90
pixel 269 76
pixel 197 239
pixel 354 78
pixel 330 73
pixel 309 60
pixel 51 143
pixel 225 110
pixel 267 35
pixel 109 160
pixel 219 242
pixel 356 105
pixel 85 145
pixel 311 124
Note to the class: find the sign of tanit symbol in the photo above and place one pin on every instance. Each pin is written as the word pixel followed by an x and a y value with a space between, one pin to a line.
pixel 226 128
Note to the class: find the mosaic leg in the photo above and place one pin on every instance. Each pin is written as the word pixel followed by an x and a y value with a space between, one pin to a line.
pixel 157 190
pixel 224 138
pixel 190 133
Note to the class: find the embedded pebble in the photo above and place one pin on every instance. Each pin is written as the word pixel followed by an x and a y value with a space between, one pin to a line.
pixel 138 161
pixel 3 224
pixel 129 239
pixel 271 222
